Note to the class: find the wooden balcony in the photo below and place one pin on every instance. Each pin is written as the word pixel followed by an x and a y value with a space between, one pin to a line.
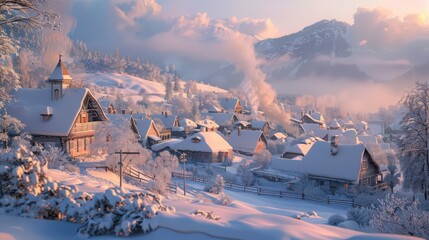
pixel 83 129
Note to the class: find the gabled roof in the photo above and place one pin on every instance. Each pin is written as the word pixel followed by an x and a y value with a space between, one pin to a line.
pixel 213 108
pixel 209 142
pixel 166 144
pixel 207 123
pixel 319 161
pixel 120 119
pixel 168 120
pixel 27 104
pixel 222 119
pixel 246 141
pixel 229 104
pixel 60 73
pixel 187 123
pixel 279 135
pixel 348 136
pixel 259 124
pixel 143 127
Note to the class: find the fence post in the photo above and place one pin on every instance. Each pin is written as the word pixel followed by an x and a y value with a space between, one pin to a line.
pixel 244 188
pixel 259 190
pixel 177 186
pixel 328 200
pixel 302 195
pixel 281 194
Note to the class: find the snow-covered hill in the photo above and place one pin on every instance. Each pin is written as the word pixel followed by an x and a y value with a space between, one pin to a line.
pixel 131 86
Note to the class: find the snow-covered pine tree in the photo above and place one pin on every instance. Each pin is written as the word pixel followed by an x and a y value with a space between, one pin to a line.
pixel 414 145
pixel 168 90
pixel 9 126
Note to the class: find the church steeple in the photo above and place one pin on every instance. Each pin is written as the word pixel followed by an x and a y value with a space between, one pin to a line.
pixel 59 80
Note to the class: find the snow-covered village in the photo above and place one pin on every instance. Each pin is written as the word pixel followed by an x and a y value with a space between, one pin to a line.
pixel 244 119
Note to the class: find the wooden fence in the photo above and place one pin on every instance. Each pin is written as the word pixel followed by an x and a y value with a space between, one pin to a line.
pixel 348 202
pixel 173 187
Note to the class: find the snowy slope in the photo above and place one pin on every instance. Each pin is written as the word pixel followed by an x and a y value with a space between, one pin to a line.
pixel 248 217
pixel 131 86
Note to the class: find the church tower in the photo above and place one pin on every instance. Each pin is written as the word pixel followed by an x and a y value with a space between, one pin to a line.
pixel 59 80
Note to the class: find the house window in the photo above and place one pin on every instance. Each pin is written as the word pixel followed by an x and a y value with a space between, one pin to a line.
pixel 56 94
pixel 346 186
pixel 196 140
pixel 364 164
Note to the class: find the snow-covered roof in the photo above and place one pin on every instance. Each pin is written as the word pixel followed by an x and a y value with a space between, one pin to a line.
pixel 60 73
pixel 187 123
pixel 258 124
pixel 347 136
pixel 208 123
pixel 279 135
pixel 334 124
pixel 143 127
pixel 244 123
pixel 141 116
pixel 368 139
pixel 213 108
pixel 320 162
pixel 222 119
pixel 27 104
pixel 299 148
pixel 166 144
pixel 246 141
pixel 229 104
pixel 120 119
pixel 209 142
pixel 168 120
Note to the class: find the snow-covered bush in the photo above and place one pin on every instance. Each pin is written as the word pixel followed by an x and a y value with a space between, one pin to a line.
pixel 215 185
pixel 350 224
pixel 55 156
pixel 207 215
pixel 400 216
pixel 224 199
pixel 360 215
pixel 161 167
pixel 262 159
pixel 336 219
pixel 247 178
pixel 26 191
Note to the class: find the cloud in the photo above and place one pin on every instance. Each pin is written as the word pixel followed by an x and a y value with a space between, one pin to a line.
pixel 262 28
pixel 390 36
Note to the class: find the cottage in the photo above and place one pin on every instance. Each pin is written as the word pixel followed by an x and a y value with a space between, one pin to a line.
pixel 206 147
pixel 314 117
pixel 337 166
pixel 149 134
pixel 208 125
pixel 248 142
pixel 264 126
pixel 224 120
pixel 231 105
pixel 300 149
pixel 59 114
pixel 169 121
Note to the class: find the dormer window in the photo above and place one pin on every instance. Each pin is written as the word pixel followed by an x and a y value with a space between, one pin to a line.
pixel 196 139
pixel 56 94
pixel 47 113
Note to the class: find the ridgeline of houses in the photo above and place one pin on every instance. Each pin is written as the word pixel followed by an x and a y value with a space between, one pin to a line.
pixel 335 156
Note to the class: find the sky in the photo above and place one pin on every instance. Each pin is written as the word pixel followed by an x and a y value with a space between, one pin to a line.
pixel 213 41
pixel 290 16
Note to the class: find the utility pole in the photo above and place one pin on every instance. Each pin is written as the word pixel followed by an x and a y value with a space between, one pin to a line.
pixel 183 159
pixel 121 163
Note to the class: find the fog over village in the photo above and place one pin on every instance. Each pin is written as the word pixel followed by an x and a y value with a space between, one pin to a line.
pixel 245 119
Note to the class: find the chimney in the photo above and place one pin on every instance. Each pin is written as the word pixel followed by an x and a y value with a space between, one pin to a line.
pixel 239 131
pixel 110 110
pixel 166 115
pixel 203 129
pixel 123 111
pixel 131 112
pixel 335 140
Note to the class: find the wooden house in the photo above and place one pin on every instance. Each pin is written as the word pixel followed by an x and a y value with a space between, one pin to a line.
pixel 264 126
pixel 147 131
pixel 337 166
pixel 248 142
pixel 231 105
pixel 208 147
pixel 207 125
pixel 60 114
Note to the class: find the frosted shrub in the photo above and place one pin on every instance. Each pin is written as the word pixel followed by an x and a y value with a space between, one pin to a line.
pixel 224 199
pixel 399 216
pixel 336 219
pixel 361 215
pixel 247 178
pixel 55 156
pixel 215 185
